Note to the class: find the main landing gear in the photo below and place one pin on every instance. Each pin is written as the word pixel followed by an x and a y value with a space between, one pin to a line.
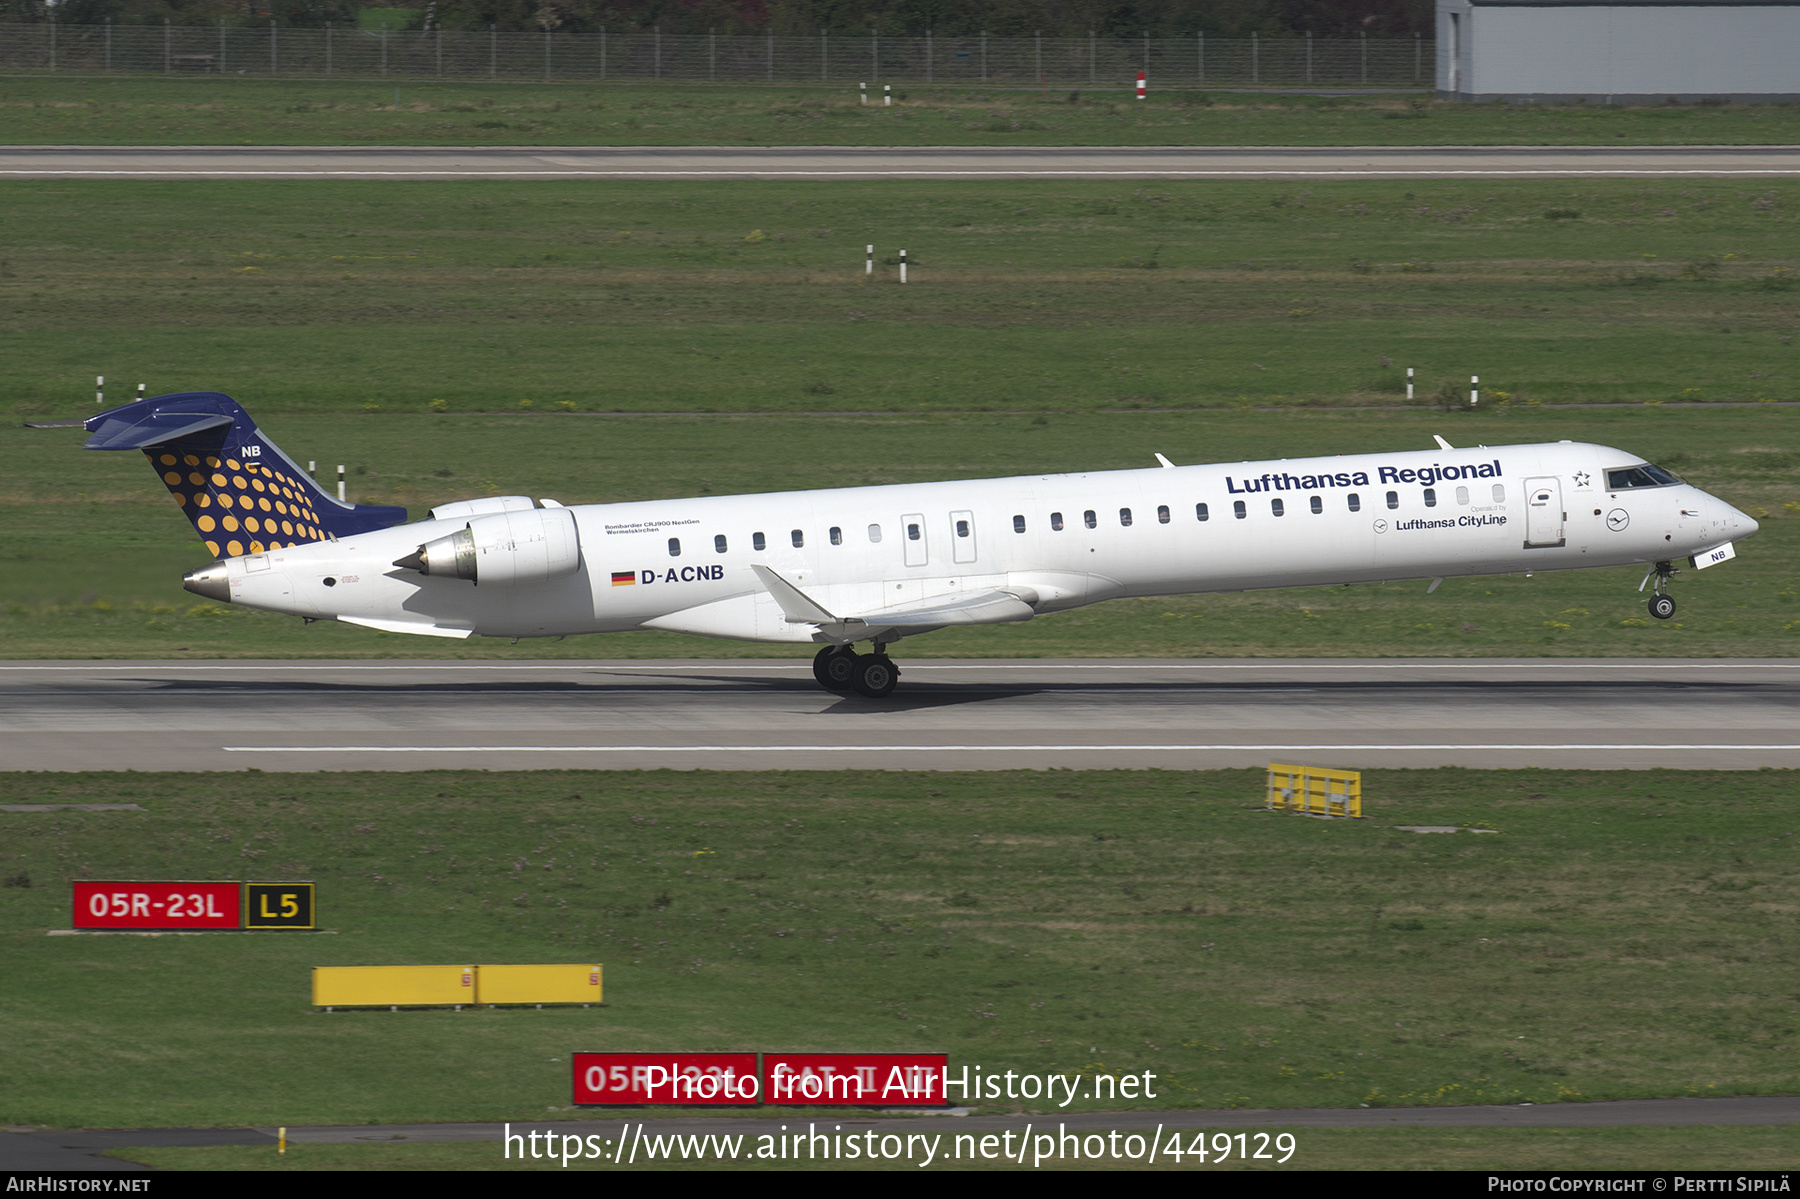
pixel 1662 605
pixel 841 668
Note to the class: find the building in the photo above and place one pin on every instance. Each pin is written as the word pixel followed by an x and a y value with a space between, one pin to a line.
pixel 1636 52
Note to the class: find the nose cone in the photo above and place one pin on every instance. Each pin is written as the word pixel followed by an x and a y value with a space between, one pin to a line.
pixel 1745 523
pixel 214 582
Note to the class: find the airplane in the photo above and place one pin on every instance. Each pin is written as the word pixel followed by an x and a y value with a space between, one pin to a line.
pixel 841 566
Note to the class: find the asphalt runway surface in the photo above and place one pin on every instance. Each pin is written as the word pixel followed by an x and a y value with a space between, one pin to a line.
pixel 947 715
pixel 80 1150
pixel 923 162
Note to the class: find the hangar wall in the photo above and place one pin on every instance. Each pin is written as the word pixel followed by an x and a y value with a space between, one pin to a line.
pixel 1642 53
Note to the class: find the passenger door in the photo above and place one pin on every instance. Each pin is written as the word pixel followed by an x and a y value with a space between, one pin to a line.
pixel 1544 515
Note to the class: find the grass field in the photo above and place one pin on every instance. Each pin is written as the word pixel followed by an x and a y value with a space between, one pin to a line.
pixel 92 562
pixel 1033 296
pixel 133 111
pixel 1586 1149
pixel 1620 936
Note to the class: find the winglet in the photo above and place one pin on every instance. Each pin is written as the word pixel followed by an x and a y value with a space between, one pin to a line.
pixel 794 603
pixel 1442 444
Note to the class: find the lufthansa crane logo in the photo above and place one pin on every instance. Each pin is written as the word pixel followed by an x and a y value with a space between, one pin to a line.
pixel 1381 526
pixel 1617 519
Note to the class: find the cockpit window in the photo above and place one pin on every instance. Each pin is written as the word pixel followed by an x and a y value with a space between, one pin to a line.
pixel 1639 476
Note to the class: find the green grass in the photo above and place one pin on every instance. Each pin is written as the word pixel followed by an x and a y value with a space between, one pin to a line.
pixel 391 326
pixel 133 111
pixel 92 561
pixel 348 296
pixel 1623 935
pixel 1584 1149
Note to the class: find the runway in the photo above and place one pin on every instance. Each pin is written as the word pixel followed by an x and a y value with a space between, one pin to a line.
pixel 923 162
pixel 947 715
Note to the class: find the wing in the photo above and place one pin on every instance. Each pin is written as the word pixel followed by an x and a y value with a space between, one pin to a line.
pixel 975 607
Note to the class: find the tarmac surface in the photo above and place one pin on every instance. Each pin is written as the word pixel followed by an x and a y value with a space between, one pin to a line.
pixel 947 714
pixel 79 1150
pixel 923 162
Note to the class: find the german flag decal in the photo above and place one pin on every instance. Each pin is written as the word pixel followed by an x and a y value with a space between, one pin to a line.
pixel 624 578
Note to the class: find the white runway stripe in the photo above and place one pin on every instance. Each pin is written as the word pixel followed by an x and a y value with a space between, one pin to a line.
pixel 207 172
pixel 1271 747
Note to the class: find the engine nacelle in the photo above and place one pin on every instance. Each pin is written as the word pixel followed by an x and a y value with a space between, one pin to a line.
pixel 506 547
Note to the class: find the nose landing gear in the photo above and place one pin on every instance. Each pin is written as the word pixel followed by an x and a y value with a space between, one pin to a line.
pixel 1662 605
pixel 841 668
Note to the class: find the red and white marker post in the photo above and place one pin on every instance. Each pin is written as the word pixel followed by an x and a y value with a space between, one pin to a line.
pixel 1142 86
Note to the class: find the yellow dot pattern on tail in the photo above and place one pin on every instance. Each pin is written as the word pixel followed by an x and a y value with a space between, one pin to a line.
pixel 268 508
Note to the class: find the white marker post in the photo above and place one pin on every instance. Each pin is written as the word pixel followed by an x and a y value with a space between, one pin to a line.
pixel 1474 389
pixel 312 467
pixel 340 482
pixel 903 266
pixel 863 91
pixel 869 260
pixel 99 391
pixel 887 95
pixel 1409 371
pixel 140 391
pixel 1142 85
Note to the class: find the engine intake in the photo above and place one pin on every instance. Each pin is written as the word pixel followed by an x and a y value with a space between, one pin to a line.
pixel 507 547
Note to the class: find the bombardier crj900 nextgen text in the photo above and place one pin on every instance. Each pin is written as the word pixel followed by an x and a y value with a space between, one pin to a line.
pixel 875 564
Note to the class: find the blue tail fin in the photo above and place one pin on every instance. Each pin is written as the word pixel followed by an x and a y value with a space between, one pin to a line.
pixel 241 492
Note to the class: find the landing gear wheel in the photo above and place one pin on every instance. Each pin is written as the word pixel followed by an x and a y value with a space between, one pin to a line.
pixel 875 676
pixel 835 667
pixel 1662 606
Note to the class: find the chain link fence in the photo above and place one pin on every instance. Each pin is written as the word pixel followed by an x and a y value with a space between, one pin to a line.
pixel 640 57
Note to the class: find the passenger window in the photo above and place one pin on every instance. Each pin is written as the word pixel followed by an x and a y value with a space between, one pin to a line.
pixel 1277 507
pixel 1237 509
pixel 1462 496
pixel 1200 512
pixel 874 534
pixel 799 538
pixel 1056 522
pixel 1355 502
pixel 1018 524
pixel 1089 519
pixel 962 528
pixel 1162 514
pixel 1125 517
pixel 1431 497
pixel 1499 494
pixel 1318 505
pixel 912 532
pixel 758 542
pixel 719 544
pixel 1393 498
pixel 837 535
pixel 674 547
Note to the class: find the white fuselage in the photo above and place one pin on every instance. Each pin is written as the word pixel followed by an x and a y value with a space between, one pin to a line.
pixel 862 550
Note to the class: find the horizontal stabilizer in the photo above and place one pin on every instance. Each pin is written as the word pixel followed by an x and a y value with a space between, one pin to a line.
pixel 146 429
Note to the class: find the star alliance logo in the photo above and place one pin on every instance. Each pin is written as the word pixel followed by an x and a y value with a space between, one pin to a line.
pixel 1583 480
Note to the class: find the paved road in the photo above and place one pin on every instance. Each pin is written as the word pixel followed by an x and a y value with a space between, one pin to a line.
pixel 79 1150
pixel 947 715
pixel 829 162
